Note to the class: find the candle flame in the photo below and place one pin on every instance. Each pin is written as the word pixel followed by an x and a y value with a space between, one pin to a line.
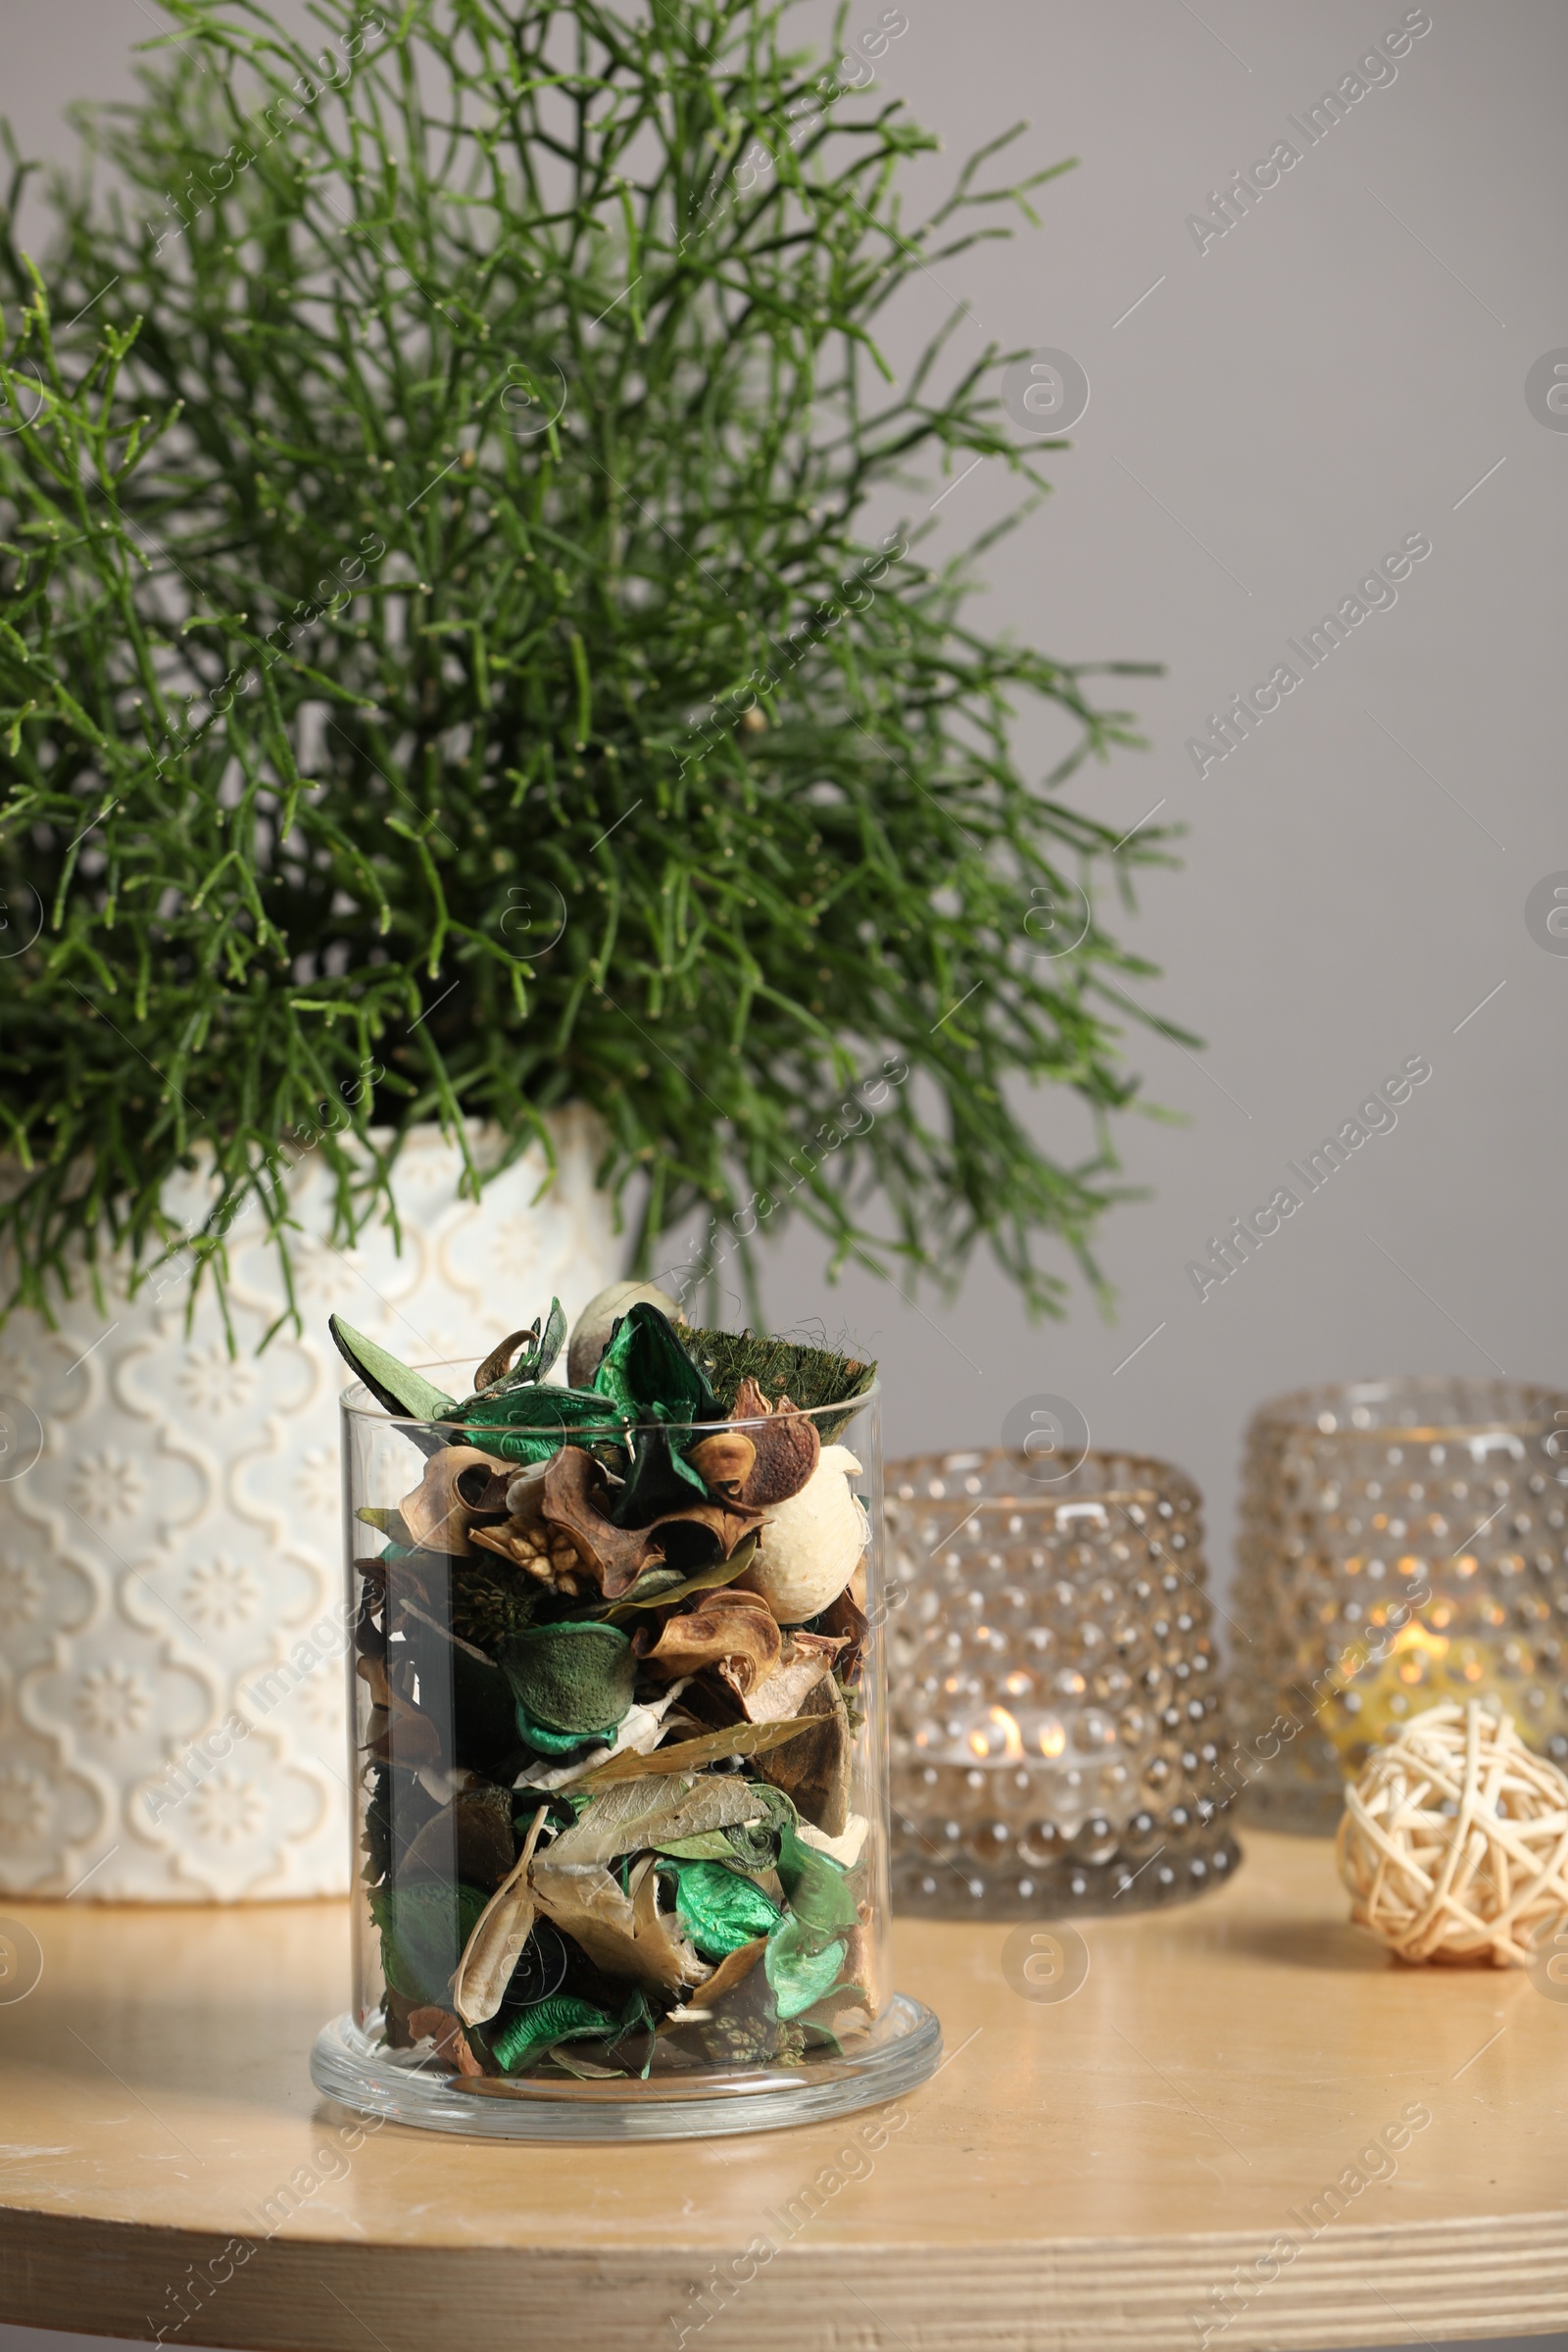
pixel 1011 1737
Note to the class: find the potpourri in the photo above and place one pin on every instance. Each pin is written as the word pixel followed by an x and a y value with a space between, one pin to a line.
pixel 611 1648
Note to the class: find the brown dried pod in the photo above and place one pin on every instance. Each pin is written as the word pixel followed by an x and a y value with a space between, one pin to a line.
pixel 545 1553
pixel 787 1448
pixel 724 1460
pixel 733 1631
pixel 624 1936
pixel 498 1364
pixel 461 1484
pixel 615 1556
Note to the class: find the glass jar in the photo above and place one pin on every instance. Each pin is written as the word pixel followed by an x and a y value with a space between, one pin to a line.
pixel 621 1821
pixel 1058 1742
pixel 1400 1543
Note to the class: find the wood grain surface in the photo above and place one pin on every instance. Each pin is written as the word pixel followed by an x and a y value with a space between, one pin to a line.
pixel 1145 2165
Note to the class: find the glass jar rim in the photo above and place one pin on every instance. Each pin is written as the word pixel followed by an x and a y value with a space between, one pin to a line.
pixel 1302 1410
pixel 356 1399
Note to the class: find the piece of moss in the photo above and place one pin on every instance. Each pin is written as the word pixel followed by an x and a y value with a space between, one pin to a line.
pixel 808 1376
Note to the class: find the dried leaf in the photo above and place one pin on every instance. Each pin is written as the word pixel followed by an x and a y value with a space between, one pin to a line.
pixel 719 1908
pixel 494 1948
pixel 425 1929
pixel 404 1393
pixel 801 1968
pixel 784 1692
pixel 692 1755
pixel 633 1814
pixel 622 1936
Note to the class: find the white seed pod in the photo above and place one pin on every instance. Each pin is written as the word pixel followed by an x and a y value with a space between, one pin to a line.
pixel 591 1332
pixel 807 1549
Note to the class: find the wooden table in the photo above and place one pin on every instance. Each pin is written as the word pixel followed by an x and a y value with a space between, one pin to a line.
pixel 1098 2173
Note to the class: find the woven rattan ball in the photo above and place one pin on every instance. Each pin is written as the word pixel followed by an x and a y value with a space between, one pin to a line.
pixel 1454 1840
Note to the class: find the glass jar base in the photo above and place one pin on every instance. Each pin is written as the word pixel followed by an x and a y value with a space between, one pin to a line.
pixel 901 2050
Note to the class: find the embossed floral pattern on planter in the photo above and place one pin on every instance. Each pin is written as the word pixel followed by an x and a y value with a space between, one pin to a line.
pixel 169 1561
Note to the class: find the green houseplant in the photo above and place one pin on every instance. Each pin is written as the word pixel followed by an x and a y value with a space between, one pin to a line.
pixel 463 651
pixel 466 673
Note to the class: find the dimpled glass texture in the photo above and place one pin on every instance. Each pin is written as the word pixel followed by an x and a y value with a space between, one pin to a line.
pixel 1056 1706
pixel 1401 1543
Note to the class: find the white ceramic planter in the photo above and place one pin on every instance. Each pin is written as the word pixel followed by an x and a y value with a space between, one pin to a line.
pixel 172 1638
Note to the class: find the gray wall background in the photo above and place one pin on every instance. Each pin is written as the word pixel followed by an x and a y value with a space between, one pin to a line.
pixel 1335 373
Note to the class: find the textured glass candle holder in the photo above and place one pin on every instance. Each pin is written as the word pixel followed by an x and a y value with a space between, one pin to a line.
pixel 1401 1543
pixel 1054 1695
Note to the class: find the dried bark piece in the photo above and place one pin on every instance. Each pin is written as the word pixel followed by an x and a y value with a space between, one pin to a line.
pixel 735 1631
pixel 495 1947
pixel 427 2022
pixel 815 1768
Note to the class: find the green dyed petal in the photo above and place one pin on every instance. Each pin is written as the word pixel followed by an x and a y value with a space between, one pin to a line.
pixel 645 1368
pixel 527 1407
pixel 564 2017
pixel 572 1678
pixel 546 1742
pixel 800 1967
pixel 719 1909
pixel 532 2032
pixel 818 1888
